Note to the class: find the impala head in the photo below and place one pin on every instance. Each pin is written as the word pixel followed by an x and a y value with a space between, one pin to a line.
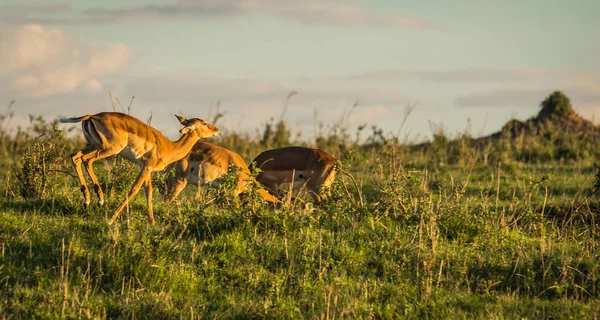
pixel 202 128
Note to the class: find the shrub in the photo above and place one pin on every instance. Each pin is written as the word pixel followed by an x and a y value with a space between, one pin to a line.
pixel 41 158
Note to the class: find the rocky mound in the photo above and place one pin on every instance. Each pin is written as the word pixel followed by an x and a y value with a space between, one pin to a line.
pixel 556 117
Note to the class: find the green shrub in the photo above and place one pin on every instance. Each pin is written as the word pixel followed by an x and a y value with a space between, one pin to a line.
pixel 38 163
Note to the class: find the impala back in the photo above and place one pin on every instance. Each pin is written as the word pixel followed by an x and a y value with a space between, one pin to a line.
pixel 297 164
pixel 209 162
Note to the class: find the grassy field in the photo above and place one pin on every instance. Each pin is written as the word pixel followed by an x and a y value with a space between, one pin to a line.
pixel 451 229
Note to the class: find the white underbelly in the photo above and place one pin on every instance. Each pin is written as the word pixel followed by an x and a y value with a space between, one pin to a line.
pixel 195 179
pixel 286 185
pixel 131 155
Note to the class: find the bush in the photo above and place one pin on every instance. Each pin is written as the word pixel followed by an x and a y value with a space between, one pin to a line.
pixel 37 162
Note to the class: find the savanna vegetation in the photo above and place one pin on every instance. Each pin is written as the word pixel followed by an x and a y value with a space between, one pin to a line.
pixel 504 226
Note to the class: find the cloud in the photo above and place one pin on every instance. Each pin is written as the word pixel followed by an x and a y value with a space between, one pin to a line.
pixel 475 75
pixel 42 61
pixel 337 14
pixel 43 13
pixel 358 116
pixel 208 85
pixel 509 87
pixel 583 97
pixel 204 89
pixel 504 98
pixel 332 12
pixel 247 102
pixel 35 9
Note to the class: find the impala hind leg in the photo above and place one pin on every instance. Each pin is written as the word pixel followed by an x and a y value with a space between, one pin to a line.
pixel 76 158
pixel 324 180
pixel 88 159
pixel 137 185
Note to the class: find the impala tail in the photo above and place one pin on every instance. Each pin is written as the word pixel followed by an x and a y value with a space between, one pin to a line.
pixel 75 120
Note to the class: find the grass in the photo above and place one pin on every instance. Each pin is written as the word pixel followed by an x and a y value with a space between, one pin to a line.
pixel 422 239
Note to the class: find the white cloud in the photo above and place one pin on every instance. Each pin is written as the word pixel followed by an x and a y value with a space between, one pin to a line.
pixel 42 61
pixel 27 46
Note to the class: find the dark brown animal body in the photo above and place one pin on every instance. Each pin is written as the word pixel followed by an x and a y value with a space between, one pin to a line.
pixel 299 166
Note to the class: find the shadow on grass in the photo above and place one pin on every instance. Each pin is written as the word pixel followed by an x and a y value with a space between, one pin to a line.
pixel 63 206
pixel 536 277
pixel 35 254
pixel 578 213
pixel 52 206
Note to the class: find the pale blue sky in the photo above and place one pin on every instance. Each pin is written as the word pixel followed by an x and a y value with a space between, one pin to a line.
pixel 486 61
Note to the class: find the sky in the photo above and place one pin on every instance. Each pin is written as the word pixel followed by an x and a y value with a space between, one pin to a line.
pixel 461 65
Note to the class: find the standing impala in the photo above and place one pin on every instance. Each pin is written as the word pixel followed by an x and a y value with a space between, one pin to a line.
pixel 111 133
pixel 300 165
pixel 208 163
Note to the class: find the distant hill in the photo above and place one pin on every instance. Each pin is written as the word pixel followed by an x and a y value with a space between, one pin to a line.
pixel 557 132
pixel 556 116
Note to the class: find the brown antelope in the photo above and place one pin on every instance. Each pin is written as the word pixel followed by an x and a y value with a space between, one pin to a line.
pixel 111 133
pixel 207 163
pixel 298 165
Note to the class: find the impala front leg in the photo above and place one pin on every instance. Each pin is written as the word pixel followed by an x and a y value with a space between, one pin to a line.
pixel 174 186
pixel 139 181
pixel 148 188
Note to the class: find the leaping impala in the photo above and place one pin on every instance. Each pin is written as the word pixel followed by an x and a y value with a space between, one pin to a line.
pixel 111 133
pixel 207 163
pixel 300 165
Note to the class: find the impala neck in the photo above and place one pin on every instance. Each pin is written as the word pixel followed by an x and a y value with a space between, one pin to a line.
pixel 181 147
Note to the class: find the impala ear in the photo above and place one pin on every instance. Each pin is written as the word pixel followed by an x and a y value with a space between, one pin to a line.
pixel 188 129
pixel 181 119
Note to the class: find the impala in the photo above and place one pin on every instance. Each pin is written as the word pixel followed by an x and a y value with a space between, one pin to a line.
pixel 111 133
pixel 207 163
pixel 300 166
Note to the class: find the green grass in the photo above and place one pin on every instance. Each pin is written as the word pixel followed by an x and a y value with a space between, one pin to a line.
pixel 443 240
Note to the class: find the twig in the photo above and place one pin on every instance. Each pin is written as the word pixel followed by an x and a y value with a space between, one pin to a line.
pixel 359 191
pixel 129 106
pixel 111 100
pixel 121 105
pixel 65 172
pixel 287 100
